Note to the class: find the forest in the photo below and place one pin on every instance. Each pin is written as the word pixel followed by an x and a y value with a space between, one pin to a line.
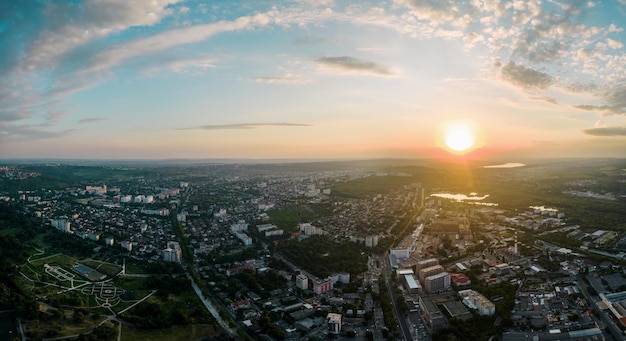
pixel 323 256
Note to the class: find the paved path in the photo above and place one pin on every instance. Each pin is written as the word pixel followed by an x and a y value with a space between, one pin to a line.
pixel 134 304
pixel 209 306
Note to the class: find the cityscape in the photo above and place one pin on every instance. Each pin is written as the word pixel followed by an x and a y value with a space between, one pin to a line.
pixel 370 250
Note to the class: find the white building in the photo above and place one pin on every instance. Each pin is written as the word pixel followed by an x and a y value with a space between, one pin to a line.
pixel 440 281
pixel 302 282
pixel 334 323
pixel 309 229
pixel 61 225
pixel 127 245
pixel 478 302
pixel 172 253
pixel 401 253
pixel 429 271
pixel 341 278
pixel 247 241
pixel 371 241
pixel 96 189
pixel 163 212
pixel 266 227
pixel 240 226
pixel 274 233
pixel 221 214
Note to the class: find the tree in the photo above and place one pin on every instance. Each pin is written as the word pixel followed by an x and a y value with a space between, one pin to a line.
pixel 79 316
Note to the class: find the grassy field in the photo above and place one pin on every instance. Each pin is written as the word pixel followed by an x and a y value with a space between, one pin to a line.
pixel 60 259
pixel 9 231
pixel 58 328
pixel 190 332
pixel 133 283
pixel 102 267
pixel 370 186
pixel 135 268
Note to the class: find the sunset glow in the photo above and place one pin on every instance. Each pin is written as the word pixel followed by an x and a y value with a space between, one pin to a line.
pixel 311 79
pixel 459 138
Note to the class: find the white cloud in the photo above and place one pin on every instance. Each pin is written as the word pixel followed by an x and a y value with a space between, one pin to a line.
pixel 614 44
pixel 286 79
pixel 93 20
pixel 351 65
pixel 438 12
pixel 168 39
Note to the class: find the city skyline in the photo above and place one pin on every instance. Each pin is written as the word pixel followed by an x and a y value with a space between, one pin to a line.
pixel 311 79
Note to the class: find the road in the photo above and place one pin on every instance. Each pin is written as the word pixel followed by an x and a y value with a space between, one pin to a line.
pixel 209 306
pixel 404 328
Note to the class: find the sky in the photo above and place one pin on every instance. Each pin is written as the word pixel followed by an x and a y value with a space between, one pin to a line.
pixel 162 79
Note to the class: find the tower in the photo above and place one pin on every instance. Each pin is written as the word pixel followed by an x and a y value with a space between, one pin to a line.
pixel 515 247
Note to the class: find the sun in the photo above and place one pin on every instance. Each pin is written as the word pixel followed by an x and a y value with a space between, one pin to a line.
pixel 459 137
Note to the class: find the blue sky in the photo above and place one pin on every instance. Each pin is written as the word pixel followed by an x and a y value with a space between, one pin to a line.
pixel 310 78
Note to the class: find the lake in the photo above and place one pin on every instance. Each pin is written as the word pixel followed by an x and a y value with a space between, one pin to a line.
pixel 506 165
pixel 472 198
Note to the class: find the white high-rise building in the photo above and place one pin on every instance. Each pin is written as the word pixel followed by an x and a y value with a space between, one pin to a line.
pixel 240 226
pixel 172 253
pixel 127 245
pixel 371 241
pixel 61 225
pixel 440 281
pixel 302 282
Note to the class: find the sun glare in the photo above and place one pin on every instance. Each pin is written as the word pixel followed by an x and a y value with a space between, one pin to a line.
pixel 458 137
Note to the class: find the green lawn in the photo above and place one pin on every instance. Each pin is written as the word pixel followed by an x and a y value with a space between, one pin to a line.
pixel 190 332
pixel 63 327
pixel 105 268
pixel 9 231
pixel 59 259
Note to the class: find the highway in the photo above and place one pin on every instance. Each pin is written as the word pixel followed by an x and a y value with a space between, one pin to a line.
pixel 402 322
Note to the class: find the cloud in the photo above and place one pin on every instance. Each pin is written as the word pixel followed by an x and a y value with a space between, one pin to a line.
pixel 353 65
pixel 580 87
pixel 70 25
pixel 169 39
pixel 287 79
pixel 614 98
pixel 181 65
pixel 91 120
pixel 614 44
pixel 438 12
pixel 525 77
pixel 11 132
pixel 548 99
pixel 245 126
pixel 313 40
pixel 607 131
pixel 44 42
